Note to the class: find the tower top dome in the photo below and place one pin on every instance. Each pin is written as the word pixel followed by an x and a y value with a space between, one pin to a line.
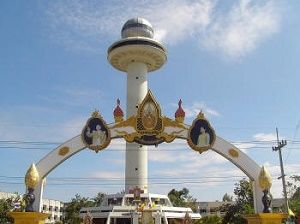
pixel 137 27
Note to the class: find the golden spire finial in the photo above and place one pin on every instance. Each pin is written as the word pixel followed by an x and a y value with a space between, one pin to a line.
pixel 201 115
pixel 265 179
pixel 95 113
pixel 32 177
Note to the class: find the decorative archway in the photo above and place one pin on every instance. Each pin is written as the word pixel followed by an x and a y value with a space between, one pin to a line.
pixel 149 127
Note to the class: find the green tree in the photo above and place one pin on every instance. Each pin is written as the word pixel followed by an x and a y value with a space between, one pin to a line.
pixel 227 198
pixel 98 199
pixel 5 207
pixel 182 198
pixel 73 207
pixel 58 222
pixel 211 219
pixel 243 204
pixel 293 189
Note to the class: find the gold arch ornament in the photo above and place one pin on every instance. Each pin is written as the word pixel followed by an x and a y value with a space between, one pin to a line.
pixel 148 127
pixel 149 122
pixel 63 151
pixel 149 119
pixel 233 153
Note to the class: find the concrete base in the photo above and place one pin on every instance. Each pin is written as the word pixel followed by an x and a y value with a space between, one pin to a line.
pixel 28 217
pixel 266 218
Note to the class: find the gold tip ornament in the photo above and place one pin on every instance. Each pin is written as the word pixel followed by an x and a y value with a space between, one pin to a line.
pixel 96 113
pixel 201 115
pixel 32 177
pixel 265 179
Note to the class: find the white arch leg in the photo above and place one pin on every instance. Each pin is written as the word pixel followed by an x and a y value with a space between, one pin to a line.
pixel 38 191
pixel 51 161
pixel 246 164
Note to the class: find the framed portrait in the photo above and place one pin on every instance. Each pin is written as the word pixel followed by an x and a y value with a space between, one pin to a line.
pixel 201 135
pixel 95 133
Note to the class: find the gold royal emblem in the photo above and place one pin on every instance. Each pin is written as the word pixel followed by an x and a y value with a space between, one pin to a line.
pixel 149 120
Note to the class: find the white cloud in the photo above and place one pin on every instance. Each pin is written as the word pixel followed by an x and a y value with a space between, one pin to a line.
pixel 108 175
pixel 179 151
pixel 234 32
pixel 173 19
pixel 179 20
pixel 242 29
pixel 191 111
pixel 260 140
pixel 244 146
pixel 265 137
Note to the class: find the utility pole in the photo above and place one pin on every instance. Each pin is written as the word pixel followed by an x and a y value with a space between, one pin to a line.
pixel 278 148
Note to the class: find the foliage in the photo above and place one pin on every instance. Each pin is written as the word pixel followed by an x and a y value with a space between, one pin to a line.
pixel 8 205
pixel 73 207
pixel 243 205
pixel 211 219
pixel 5 207
pixel 181 198
pixel 293 190
pixel 292 186
pixel 98 199
pixel 227 198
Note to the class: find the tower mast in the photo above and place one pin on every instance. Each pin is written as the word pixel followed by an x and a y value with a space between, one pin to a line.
pixel 137 53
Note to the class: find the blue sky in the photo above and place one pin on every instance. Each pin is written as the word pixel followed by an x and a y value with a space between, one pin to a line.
pixel 238 61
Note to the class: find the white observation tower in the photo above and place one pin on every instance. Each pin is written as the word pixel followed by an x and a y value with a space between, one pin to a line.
pixel 137 53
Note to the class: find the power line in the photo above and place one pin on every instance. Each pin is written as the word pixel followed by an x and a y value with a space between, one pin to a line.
pixel 295 134
pixel 29 142
pixel 19 147
pixel 123 150
pixel 57 143
pixel 122 184
pixel 122 178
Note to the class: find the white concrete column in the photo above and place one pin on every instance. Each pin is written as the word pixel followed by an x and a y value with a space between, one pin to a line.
pixel 157 218
pixel 135 218
pixel 38 192
pixel 136 170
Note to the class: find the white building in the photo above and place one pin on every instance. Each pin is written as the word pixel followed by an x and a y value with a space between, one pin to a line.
pixel 215 207
pixel 125 209
pixel 53 207
pixel 211 208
